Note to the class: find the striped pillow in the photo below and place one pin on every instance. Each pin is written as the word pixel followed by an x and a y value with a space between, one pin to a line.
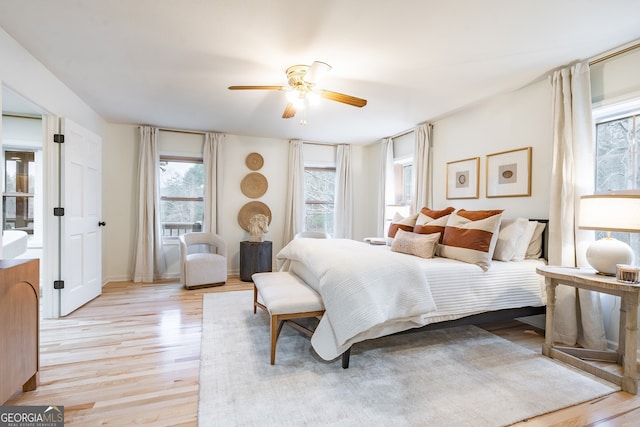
pixel 471 236
pixel 430 221
pixel 401 223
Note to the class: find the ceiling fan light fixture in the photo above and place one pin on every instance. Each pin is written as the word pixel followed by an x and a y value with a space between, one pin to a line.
pixel 301 90
pixel 299 103
pixel 292 95
pixel 313 97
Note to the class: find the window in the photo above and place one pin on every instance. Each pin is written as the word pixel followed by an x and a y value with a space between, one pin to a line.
pixel 319 196
pixel 19 189
pixel 403 174
pixel 402 190
pixel 399 194
pixel 181 195
pixel 617 163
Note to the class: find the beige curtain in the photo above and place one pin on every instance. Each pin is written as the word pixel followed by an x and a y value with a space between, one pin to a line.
pixel 294 210
pixel 386 183
pixel 343 208
pixel 149 260
pixel 421 165
pixel 212 161
pixel 578 313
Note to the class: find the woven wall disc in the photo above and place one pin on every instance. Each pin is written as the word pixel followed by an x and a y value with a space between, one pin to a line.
pixel 249 210
pixel 254 185
pixel 254 161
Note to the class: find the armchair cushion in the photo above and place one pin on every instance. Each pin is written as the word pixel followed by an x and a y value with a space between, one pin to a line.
pixel 203 260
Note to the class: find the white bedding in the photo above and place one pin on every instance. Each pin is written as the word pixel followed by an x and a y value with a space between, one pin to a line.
pixel 366 292
pixel 458 289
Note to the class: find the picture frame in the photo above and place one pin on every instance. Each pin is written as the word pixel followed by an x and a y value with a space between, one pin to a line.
pixel 463 179
pixel 509 173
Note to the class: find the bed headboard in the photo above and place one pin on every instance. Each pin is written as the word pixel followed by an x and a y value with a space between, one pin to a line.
pixel 545 238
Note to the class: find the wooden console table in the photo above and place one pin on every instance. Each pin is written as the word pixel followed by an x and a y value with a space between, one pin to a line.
pixel 19 325
pixel 626 353
pixel 255 257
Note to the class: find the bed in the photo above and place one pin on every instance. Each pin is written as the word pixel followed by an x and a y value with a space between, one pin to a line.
pixel 371 291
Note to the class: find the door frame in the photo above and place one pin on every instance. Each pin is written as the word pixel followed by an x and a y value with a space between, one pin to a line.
pixel 50 262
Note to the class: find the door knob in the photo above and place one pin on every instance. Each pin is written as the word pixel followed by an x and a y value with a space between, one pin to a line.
pixel 101 223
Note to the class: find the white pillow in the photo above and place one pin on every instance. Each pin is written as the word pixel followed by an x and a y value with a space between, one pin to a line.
pixel 523 242
pixel 534 251
pixel 511 231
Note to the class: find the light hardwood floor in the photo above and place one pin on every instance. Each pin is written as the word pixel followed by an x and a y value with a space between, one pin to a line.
pixel 132 356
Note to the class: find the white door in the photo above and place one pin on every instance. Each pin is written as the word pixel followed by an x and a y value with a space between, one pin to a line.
pixel 81 257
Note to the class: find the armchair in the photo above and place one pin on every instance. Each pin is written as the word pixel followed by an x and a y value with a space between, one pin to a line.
pixel 203 260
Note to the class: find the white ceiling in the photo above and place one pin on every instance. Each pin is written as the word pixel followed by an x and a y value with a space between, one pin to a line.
pixel 168 63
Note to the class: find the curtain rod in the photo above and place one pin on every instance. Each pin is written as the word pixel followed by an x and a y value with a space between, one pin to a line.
pixel 398 135
pixel 194 132
pixel 614 54
pixel 408 131
pixel 21 116
pixel 330 144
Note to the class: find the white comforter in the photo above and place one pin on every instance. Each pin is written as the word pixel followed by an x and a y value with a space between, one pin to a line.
pixel 367 292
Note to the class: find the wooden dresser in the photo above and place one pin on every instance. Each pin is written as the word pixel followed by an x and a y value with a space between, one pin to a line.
pixel 19 326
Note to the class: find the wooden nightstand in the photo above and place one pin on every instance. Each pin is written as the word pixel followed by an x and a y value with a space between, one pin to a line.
pixel 626 354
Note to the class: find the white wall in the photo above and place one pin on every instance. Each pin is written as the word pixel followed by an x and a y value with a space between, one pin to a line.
pixel 514 120
pixel 29 78
pixel 120 192
pixel 119 201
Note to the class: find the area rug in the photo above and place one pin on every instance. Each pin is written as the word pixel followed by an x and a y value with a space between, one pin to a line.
pixel 462 376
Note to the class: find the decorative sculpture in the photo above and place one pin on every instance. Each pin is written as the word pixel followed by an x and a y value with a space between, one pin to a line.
pixel 258 225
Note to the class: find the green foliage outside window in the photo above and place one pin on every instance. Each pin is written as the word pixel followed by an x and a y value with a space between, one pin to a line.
pixel 319 193
pixel 181 195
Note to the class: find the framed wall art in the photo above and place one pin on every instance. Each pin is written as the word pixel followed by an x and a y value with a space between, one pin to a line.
pixel 509 173
pixel 463 179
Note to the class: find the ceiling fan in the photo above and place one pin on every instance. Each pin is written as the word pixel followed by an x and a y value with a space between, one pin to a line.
pixel 302 80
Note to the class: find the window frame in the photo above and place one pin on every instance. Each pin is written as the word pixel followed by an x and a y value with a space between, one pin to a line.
pixel 613 110
pixel 332 168
pixel 173 239
pixel 23 198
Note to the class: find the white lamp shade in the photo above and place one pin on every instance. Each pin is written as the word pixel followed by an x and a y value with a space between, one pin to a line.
pixel 610 212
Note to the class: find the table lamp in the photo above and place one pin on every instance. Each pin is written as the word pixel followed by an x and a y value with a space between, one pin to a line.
pixel 609 212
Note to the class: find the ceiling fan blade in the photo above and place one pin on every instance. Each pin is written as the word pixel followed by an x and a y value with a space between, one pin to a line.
pixel 316 72
pixel 345 99
pixel 289 111
pixel 256 87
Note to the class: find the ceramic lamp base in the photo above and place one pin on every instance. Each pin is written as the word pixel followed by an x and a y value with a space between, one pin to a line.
pixel 604 254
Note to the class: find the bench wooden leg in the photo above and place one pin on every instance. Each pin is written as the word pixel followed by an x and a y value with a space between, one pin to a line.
pixel 276 327
pixel 255 298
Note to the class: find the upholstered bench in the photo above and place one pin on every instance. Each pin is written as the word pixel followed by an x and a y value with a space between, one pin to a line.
pixel 285 297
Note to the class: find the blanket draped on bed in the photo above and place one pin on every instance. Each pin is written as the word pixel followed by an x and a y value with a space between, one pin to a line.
pixel 367 292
